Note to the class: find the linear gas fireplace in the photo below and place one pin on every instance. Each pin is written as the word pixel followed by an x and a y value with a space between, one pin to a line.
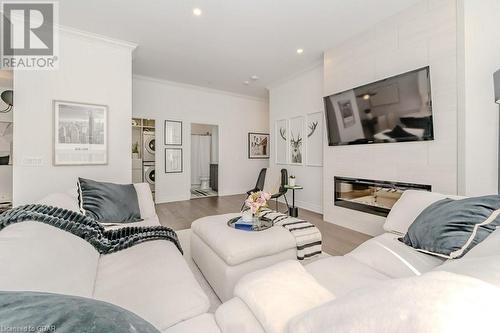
pixel 371 196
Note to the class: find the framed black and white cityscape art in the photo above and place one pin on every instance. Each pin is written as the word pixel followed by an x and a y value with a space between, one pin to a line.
pixel 173 133
pixel 314 139
pixel 281 135
pixel 173 160
pixel 296 140
pixel 258 145
pixel 80 133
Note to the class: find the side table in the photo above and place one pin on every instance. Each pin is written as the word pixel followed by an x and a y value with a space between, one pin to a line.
pixel 293 211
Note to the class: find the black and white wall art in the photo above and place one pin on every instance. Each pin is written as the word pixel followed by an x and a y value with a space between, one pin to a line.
pixel 80 136
pixel 281 134
pixel 296 140
pixel 173 160
pixel 314 139
pixel 258 145
pixel 173 133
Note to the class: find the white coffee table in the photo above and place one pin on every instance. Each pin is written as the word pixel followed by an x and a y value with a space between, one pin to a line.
pixel 224 254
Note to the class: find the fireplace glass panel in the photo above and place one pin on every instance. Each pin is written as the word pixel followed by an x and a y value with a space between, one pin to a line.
pixel 371 196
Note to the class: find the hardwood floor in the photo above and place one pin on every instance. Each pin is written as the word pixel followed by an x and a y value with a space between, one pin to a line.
pixel 179 215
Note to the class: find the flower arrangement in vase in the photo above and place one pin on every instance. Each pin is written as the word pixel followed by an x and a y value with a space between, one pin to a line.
pixel 255 202
pixel 291 180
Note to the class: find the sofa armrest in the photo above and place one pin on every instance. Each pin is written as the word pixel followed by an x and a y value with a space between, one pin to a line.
pixel 145 199
pixel 234 316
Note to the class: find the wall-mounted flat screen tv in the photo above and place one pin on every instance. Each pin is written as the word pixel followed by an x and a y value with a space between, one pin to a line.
pixel 396 109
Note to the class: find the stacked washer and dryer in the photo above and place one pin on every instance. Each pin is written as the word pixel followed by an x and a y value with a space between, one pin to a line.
pixel 148 157
pixel 143 159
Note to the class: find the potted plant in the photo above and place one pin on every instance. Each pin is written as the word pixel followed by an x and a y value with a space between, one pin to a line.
pixel 135 150
pixel 291 180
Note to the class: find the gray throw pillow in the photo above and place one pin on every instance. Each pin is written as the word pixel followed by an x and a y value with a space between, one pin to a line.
pixel 44 312
pixel 108 202
pixel 450 228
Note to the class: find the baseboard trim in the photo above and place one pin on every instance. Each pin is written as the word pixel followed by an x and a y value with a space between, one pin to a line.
pixel 305 205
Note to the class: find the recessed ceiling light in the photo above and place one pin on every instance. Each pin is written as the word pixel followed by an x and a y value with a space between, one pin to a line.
pixel 197 11
pixel 300 51
pixel 254 77
pixel 246 83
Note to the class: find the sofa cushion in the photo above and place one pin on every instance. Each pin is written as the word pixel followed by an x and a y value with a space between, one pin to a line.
pixel 449 228
pixel 38 257
pixel 434 302
pixel 145 200
pixel 340 275
pixel 45 312
pixel 234 316
pixel 488 247
pixel 238 246
pixel 204 323
pixel 152 280
pixel 62 200
pixel 484 268
pixel 108 202
pixel 408 208
pixel 387 255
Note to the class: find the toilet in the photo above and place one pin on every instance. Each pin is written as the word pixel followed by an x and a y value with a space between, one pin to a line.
pixel 204 183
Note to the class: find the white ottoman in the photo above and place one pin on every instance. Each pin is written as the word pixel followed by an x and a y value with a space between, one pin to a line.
pixel 225 254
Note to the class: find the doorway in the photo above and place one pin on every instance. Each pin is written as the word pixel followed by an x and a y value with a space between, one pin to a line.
pixel 143 152
pixel 204 160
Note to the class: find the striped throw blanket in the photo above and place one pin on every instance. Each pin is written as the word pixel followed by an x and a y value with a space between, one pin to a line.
pixel 85 227
pixel 307 236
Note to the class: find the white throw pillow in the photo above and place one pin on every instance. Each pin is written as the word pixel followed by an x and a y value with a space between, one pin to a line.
pixel 409 207
pixel 434 302
pixel 278 293
pixel 272 182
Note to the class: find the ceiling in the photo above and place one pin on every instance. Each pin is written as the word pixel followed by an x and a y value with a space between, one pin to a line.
pixel 231 40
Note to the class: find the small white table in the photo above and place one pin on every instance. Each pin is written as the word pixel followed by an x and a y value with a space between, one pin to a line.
pixel 293 211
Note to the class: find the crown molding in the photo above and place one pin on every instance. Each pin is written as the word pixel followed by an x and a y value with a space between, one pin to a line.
pixel 90 35
pixel 195 87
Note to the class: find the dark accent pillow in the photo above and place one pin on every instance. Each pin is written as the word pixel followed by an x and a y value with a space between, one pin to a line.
pixel 108 202
pixel 450 228
pixel 46 312
pixel 399 133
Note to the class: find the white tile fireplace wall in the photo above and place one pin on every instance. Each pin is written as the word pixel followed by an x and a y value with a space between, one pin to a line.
pixel 422 35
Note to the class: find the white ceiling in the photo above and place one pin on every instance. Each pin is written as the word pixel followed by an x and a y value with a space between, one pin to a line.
pixel 232 39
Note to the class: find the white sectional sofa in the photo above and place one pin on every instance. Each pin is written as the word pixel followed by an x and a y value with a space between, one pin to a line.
pixel 150 279
pixel 153 280
pixel 380 259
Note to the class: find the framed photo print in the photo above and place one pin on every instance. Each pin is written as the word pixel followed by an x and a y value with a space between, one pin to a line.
pixel 281 140
pixel 173 160
pixel 80 133
pixel 258 145
pixel 173 133
pixel 314 140
pixel 296 140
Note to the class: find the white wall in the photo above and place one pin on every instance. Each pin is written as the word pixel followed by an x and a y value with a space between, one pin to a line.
pixel 91 70
pixel 299 96
pixel 424 34
pixel 235 115
pixel 479 57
